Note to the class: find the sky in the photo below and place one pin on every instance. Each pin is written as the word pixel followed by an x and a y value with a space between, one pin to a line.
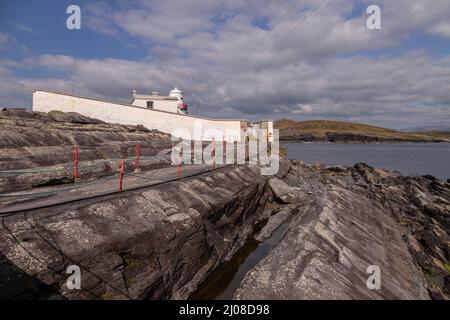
pixel 253 59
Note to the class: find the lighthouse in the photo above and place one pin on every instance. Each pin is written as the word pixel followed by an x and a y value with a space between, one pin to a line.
pixel 174 102
pixel 182 107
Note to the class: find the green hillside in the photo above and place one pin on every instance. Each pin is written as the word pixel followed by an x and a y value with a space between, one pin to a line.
pixel 337 131
pixel 437 134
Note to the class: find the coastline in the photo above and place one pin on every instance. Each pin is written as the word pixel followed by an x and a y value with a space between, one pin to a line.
pixel 363 142
pixel 167 239
pixel 165 247
pixel 409 159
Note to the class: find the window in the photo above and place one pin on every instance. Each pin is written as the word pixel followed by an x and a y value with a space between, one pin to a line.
pixel 150 104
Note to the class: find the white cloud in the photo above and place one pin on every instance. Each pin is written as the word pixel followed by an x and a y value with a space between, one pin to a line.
pixel 56 62
pixel 23 28
pixel 100 16
pixel 5 39
pixel 441 29
pixel 302 109
pixel 386 90
pixel 318 71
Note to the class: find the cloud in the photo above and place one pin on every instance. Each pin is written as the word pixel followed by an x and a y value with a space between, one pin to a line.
pixel 441 29
pixel 5 40
pixel 330 66
pixel 100 16
pixel 55 62
pixel 302 109
pixel 23 28
pixel 386 90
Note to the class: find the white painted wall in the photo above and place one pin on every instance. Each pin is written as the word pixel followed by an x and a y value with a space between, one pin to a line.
pixel 163 105
pixel 112 112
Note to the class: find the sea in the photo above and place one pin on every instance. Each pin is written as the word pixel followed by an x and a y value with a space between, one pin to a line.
pixel 405 158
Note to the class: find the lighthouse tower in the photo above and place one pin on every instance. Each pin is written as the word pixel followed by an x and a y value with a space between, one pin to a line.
pixel 181 106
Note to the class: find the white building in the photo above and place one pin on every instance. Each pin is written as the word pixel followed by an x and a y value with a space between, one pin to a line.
pixel 172 103
pixel 153 112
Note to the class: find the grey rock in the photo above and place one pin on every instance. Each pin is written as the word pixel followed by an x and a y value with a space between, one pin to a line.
pixel 162 242
pixel 275 221
pixel 37 149
pixel 357 223
pixel 282 191
pixel 156 243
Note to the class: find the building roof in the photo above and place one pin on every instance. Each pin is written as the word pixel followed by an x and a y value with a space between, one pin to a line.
pixel 152 97
pixel 176 90
pixel 128 105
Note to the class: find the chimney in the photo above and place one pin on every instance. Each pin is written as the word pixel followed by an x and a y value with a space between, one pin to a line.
pixel 154 93
pixel 133 93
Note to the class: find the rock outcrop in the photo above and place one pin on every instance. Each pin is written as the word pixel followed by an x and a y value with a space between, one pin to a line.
pixel 156 243
pixel 162 242
pixel 354 219
pixel 37 149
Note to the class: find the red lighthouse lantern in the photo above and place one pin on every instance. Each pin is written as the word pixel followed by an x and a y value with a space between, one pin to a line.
pixel 182 107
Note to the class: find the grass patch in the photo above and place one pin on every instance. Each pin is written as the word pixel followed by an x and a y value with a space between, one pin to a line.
pixel 318 129
pixel 107 296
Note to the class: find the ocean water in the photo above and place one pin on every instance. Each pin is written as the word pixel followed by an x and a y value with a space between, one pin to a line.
pixel 408 158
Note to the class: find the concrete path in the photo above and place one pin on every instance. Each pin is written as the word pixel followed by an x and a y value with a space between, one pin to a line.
pixel 15 202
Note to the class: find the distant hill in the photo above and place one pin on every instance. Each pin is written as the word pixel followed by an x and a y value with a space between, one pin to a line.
pixel 437 134
pixel 336 131
pixel 427 129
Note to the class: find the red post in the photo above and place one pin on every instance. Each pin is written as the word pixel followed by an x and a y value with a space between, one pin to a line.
pixel 138 164
pixel 76 173
pixel 121 174
pixel 214 154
